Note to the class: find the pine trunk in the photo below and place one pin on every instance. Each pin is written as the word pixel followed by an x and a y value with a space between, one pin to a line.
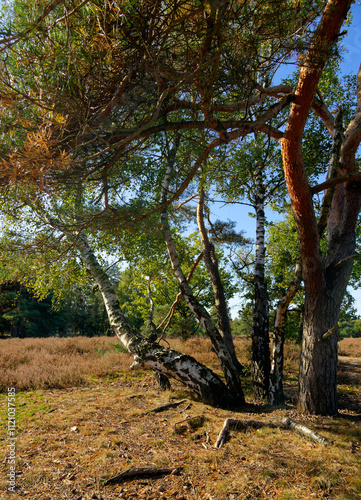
pixel 318 364
pixel 325 283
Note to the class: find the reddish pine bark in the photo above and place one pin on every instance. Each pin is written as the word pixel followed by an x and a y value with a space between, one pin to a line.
pixel 324 286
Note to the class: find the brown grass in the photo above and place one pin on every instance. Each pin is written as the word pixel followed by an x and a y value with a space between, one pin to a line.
pixel 58 362
pixel 350 347
pixel 71 438
pixel 36 363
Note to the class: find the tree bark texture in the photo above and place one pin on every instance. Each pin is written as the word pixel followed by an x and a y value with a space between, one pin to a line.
pixel 260 367
pixel 276 382
pixel 181 367
pixel 283 423
pixel 324 285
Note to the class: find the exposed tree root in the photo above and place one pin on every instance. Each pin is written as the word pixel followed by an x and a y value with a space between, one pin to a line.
pixel 166 407
pixel 283 423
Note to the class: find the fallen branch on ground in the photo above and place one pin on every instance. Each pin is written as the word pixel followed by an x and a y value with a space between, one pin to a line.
pixel 141 473
pixel 283 423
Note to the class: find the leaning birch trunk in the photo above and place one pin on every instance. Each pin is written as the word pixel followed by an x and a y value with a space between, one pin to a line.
pixel 181 367
pixel 211 263
pixel 276 395
pixel 260 367
pixel 229 369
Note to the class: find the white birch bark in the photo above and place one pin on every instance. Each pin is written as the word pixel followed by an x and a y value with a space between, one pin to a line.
pixel 181 367
pixel 260 367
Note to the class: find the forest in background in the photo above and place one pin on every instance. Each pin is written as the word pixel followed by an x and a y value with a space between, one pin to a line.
pixel 24 315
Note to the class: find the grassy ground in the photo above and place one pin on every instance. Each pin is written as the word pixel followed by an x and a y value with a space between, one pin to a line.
pixel 82 417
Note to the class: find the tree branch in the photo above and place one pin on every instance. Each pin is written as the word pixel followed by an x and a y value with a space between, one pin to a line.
pixel 346 259
pixel 352 176
pixel 171 312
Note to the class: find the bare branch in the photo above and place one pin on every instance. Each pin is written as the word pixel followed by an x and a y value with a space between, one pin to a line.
pixel 353 176
pixel 346 259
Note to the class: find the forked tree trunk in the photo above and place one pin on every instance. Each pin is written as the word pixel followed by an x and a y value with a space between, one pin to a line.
pixel 260 368
pixel 229 369
pixel 318 364
pixel 181 367
pixel 276 379
pixel 325 283
pixel 211 264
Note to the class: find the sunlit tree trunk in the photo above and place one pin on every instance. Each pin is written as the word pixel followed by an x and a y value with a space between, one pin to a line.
pixel 276 379
pixel 229 369
pixel 211 264
pixel 325 281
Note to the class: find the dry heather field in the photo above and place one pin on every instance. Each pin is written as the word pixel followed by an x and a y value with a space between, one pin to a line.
pixel 83 417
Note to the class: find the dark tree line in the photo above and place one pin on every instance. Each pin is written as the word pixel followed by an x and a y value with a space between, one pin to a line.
pixel 22 314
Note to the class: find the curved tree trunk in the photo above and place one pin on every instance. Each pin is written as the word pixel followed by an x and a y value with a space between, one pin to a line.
pixel 211 263
pixel 325 283
pixel 276 379
pixel 181 367
pixel 318 364
pixel 260 367
pixel 229 369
